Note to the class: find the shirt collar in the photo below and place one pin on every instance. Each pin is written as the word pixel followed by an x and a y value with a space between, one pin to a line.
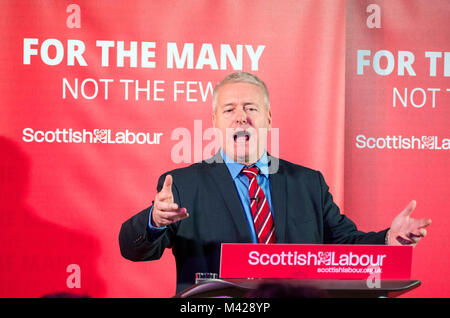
pixel 235 167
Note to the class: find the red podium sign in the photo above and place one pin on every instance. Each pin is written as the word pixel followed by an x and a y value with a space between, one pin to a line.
pixel 315 261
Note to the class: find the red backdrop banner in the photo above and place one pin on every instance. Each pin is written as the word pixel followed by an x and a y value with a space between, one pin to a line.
pixel 99 98
pixel 397 131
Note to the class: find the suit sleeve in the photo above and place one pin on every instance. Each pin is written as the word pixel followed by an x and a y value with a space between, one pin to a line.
pixel 136 240
pixel 338 228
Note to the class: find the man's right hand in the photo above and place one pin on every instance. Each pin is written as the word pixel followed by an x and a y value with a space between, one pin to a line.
pixel 165 211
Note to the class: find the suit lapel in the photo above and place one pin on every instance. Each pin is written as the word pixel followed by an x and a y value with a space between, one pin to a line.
pixel 225 184
pixel 278 193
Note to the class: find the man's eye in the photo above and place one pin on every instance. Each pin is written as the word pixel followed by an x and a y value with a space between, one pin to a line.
pixel 227 110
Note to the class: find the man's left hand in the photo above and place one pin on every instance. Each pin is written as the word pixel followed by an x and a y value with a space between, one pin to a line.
pixel 406 230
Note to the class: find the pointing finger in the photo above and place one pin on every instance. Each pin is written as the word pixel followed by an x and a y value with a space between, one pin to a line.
pixel 166 192
pixel 409 208
pixel 168 183
pixel 422 223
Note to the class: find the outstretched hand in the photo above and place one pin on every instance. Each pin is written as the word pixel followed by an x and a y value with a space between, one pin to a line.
pixel 165 211
pixel 406 230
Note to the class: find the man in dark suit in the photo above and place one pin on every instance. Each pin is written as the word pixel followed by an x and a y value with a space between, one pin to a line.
pixel 244 195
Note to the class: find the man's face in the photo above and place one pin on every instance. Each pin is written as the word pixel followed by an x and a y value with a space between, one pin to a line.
pixel 243 120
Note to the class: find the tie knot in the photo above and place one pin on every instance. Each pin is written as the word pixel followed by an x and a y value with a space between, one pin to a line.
pixel 250 172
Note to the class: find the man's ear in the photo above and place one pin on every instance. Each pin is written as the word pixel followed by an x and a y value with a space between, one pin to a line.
pixel 269 116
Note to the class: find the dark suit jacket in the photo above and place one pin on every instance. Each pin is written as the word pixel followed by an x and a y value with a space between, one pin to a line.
pixel 304 213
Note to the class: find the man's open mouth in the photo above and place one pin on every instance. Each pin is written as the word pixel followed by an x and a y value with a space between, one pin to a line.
pixel 241 136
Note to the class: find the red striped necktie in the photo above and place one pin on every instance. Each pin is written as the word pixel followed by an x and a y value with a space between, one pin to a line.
pixel 262 217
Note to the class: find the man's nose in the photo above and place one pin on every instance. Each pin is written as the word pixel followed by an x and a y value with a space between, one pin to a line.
pixel 241 116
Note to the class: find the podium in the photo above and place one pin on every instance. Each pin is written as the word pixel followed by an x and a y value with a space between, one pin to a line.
pixel 332 288
pixel 295 269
